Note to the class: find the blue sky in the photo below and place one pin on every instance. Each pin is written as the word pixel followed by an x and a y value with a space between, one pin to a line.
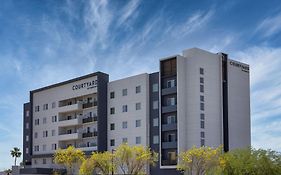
pixel 44 42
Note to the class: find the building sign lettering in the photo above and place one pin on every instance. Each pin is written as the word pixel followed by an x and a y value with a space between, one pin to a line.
pixel 244 68
pixel 87 85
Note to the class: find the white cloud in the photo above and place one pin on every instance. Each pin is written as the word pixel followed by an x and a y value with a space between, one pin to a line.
pixel 270 25
pixel 128 11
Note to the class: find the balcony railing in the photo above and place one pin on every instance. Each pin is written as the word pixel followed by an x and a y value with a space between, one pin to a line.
pixel 90 119
pixel 168 162
pixel 90 134
pixel 90 104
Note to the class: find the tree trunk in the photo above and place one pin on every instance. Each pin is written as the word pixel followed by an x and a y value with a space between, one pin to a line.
pixel 15 161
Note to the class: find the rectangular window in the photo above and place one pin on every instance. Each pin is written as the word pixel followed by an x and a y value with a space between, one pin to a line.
pixel 53 104
pixel 155 104
pixel 54 118
pixel 156 139
pixel 36 148
pixel 138 89
pixel 36 121
pixel 44 161
pixel 155 87
pixel 138 123
pixel 53 132
pixel 138 106
pixel 201 98
pixel 27 113
pixel 124 92
pixel 27 138
pixel 37 108
pixel 45 106
pixel 112 110
pixel 201 71
pixel 124 108
pixel 35 135
pixel 26 150
pixel 201 80
pixel 202 134
pixel 171 83
pixel 35 161
pixel 125 140
pixel 27 126
pixel 112 95
pixel 54 146
pixel 202 106
pixel 138 140
pixel 202 116
pixel 202 124
pixel 44 120
pixel 44 147
pixel 171 101
pixel 124 124
pixel 155 122
pixel 201 88
pixel 112 142
pixel 45 133
pixel 202 142
pixel 112 126
pixel 171 119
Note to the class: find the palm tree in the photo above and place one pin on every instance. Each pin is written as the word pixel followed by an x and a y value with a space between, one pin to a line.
pixel 15 153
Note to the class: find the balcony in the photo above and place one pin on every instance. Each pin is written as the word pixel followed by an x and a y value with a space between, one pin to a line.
pixel 168 162
pixel 91 147
pixel 70 108
pixel 169 145
pixel 90 134
pixel 90 119
pixel 168 91
pixel 90 104
pixel 71 122
pixel 167 109
pixel 72 136
pixel 169 127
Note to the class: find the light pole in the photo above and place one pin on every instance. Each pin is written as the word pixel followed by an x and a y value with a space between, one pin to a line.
pixel 112 151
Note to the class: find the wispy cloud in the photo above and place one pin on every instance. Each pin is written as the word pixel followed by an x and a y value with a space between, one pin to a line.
pixel 270 26
pixel 128 12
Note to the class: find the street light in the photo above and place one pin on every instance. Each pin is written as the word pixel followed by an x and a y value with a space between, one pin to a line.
pixel 112 151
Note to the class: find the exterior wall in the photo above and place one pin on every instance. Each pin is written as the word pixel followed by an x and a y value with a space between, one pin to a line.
pixel 131 132
pixel 27 134
pixel 239 105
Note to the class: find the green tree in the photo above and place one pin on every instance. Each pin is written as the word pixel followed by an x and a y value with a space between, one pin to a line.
pixel 198 161
pixel 71 158
pixel 15 152
pixel 250 161
pixel 100 163
pixel 133 160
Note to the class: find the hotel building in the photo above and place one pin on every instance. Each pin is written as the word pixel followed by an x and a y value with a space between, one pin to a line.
pixel 197 98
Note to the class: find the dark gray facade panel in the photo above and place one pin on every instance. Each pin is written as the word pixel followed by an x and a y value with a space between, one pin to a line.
pixel 154 130
pixel 103 80
pixel 225 103
pixel 27 132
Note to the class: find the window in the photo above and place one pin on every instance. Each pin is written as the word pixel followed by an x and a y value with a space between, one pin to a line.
pixel 201 88
pixel 202 106
pixel 36 148
pixel 125 140
pixel 112 126
pixel 53 132
pixel 27 113
pixel 201 98
pixel 156 139
pixel 202 134
pixel 35 135
pixel 124 92
pixel 201 71
pixel 27 138
pixel 45 106
pixel 124 124
pixel 138 106
pixel 36 121
pixel 155 122
pixel 37 108
pixel 138 123
pixel 171 119
pixel 112 142
pixel 112 95
pixel 54 146
pixel 35 161
pixel 155 87
pixel 45 133
pixel 27 126
pixel 155 104
pixel 124 108
pixel 202 124
pixel 44 161
pixel 26 150
pixel 138 140
pixel 44 120
pixel 53 104
pixel 202 142
pixel 112 110
pixel 138 89
pixel 171 83
pixel 202 116
pixel 44 147
pixel 171 101
pixel 54 118
pixel 201 80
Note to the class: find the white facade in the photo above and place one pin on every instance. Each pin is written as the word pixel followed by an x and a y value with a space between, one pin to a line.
pixel 131 126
